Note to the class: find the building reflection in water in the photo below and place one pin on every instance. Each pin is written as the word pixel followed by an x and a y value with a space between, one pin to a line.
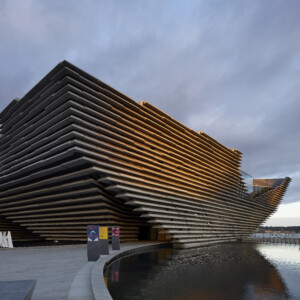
pixel 228 271
pixel 114 271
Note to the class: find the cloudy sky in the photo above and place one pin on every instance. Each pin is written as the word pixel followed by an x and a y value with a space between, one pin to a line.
pixel 228 68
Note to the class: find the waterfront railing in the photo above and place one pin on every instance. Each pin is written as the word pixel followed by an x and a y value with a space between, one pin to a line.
pixel 276 240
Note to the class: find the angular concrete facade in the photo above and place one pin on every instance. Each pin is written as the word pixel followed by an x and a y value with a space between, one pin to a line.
pixel 74 151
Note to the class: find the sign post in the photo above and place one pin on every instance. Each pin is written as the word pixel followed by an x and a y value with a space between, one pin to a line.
pixel 115 238
pixel 93 247
pixel 103 235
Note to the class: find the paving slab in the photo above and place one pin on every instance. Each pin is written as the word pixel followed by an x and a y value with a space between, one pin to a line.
pixel 17 289
pixel 53 267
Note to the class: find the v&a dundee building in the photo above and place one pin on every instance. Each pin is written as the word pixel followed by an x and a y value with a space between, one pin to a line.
pixel 75 151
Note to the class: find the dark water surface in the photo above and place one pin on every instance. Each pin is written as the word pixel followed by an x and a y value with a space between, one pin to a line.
pixel 227 271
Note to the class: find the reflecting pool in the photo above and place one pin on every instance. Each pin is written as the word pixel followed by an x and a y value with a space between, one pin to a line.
pixel 226 271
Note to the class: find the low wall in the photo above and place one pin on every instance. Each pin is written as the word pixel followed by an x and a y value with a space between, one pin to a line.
pixel 89 282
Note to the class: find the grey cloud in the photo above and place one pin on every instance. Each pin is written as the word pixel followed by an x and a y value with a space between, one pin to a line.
pixel 229 68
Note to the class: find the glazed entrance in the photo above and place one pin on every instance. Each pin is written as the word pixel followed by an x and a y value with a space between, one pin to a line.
pixel 148 233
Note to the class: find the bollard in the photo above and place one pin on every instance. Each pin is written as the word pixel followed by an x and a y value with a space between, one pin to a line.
pixel 115 238
pixel 103 236
pixel 93 246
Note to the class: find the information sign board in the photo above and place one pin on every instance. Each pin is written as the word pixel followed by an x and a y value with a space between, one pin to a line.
pixel 103 233
pixel 115 231
pixel 93 233
pixel 93 246
pixel 115 238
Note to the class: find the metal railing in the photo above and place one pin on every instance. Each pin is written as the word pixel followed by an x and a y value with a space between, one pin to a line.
pixel 276 240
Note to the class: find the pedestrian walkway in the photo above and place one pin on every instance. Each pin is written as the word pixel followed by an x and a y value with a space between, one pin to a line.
pixel 63 272
pixel 53 267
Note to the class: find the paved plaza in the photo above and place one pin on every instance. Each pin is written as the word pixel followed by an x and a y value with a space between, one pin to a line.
pixel 53 267
pixel 63 272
